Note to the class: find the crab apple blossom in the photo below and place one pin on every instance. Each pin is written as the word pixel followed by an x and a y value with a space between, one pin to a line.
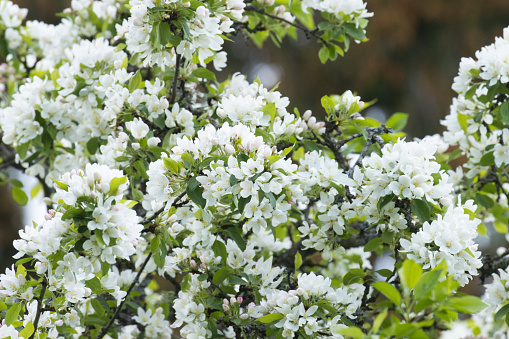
pixel 182 206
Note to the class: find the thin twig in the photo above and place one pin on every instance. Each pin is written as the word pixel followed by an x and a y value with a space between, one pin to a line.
pixel 117 311
pixel 175 80
pixel 308 32
pixel 39 307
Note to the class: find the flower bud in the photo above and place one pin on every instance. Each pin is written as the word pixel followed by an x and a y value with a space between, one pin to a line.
pixel 244 316
pixel 202 265
pixel 239 300
pixel 186 4
pixel 135 146
pixel 226 307
pixel 154 141
pixel 307 114
pixel 225 301
pixel 229 149
pixel 48 217
pixel 192 263
pixel 233 300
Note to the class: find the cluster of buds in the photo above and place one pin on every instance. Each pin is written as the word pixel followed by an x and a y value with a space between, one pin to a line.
pixel 316 126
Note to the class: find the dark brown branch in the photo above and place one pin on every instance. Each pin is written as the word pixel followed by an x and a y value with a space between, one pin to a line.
pixel 39 306
pixel 173 96
pixel 119 308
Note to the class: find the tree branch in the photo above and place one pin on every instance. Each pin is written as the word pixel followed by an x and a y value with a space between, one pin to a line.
pixel 39 306
pixel 119 308
pixel 173 96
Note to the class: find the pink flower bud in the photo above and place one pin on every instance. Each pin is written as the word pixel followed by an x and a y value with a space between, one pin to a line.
pixel 192 263
pixel 202 265
pixel 225 301
pixel 226 307
pixel 48 217
pixel 239 300
pixel 52 212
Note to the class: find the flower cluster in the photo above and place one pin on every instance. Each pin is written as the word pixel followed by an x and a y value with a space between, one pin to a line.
pixel 449 238
pixel 406 171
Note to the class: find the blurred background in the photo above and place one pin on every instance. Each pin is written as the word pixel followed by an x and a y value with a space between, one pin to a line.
pixel 408 65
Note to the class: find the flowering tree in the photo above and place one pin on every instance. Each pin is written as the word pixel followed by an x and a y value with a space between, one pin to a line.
pixel 261 222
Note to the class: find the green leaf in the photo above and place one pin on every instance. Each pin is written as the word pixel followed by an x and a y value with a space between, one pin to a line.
pixel 354 31
pixel 389 291
pixel 95 285
pixel 19 196
pixel 463 121
pixel 99 309
pixel 202 72
pixel 426 283
pixel 187 157
pixel 236 234
pixel 352 332
pixel 93 145
pixel 384 201
pixel 467 304
pixel 141 169
pixel 154 245
pixel 504 112
pixel 270 110
pixel 219 249
pixel 36 189
pixel 378 321
pixel 353 276
pixel 171 165
pixel 410 273
pixel 99 238
pixel 27 331
pixel 421 209
pixel 13 313
pixel 454 154
pixel 502 312
pixel 397 121
pixel 61 185
pixel 484 200
pixel 242 203
pixel 195 192
pixel 487 160
pixel 220 275
pixel 266 319
pixel 373 245
pixel 115 184
pixel 298 260
pixel 134 82
pixel 323 54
